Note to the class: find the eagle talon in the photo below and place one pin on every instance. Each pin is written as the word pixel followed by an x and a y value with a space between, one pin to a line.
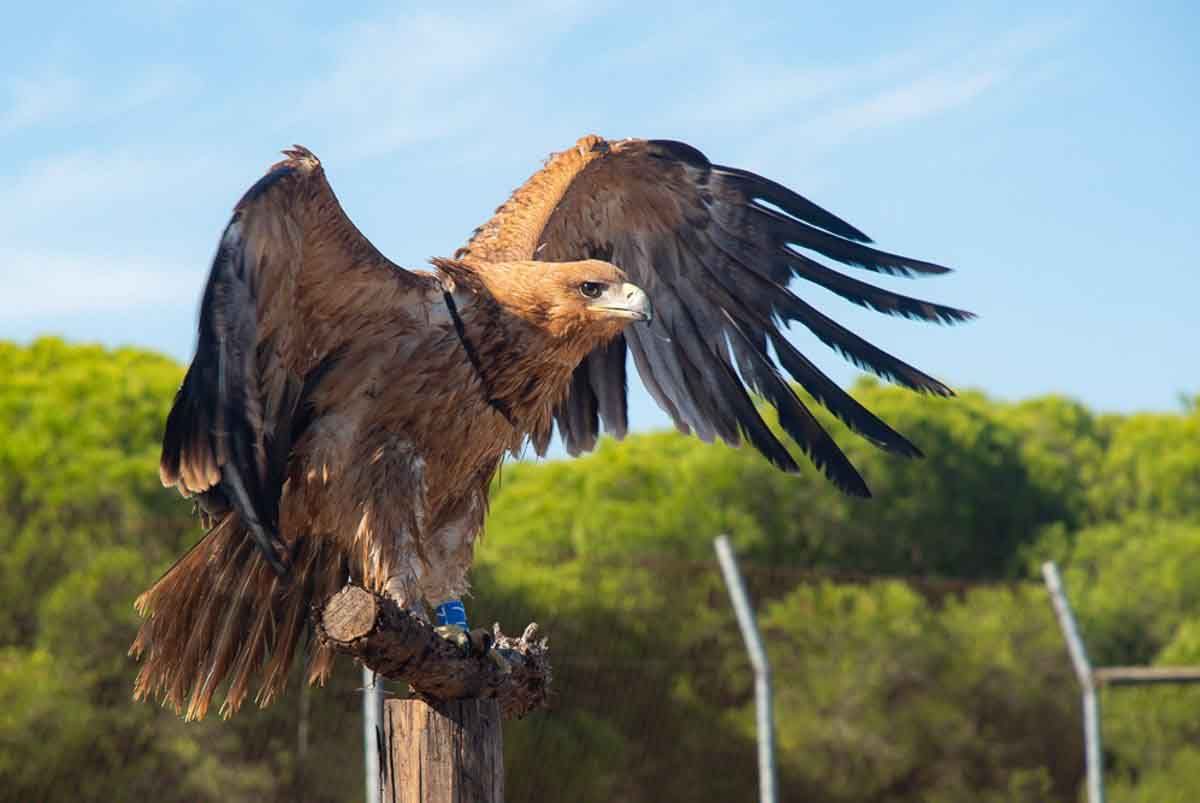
pixel 478 642
pixel 471 642
pixel 456 635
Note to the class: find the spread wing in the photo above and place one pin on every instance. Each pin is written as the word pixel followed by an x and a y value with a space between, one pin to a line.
pixel 715 247
pixel 293 289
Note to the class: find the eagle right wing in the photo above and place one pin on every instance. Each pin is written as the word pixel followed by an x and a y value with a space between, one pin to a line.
pixel 715 248
pixel 293 285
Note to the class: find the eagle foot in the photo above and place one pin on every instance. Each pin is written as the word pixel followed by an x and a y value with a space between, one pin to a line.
pixel 475 642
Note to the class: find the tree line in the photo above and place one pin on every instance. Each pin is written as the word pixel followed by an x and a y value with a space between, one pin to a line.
pixel 916 657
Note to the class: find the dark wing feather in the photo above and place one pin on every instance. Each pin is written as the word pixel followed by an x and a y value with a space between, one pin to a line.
pixel 244 399
pixel 715 247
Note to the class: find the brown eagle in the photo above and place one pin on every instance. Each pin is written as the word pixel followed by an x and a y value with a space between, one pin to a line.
pixel 343 416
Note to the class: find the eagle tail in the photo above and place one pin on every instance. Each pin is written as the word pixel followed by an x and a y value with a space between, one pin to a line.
pixel 221 616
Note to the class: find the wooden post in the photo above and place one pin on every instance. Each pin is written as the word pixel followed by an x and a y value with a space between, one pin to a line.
pixel 444 744
pixel 442 752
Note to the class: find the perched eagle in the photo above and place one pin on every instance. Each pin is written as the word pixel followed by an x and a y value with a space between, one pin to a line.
pixel 343 416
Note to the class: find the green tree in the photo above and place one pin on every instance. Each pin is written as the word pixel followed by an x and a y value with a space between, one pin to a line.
pixel 894 696
pixel 1151 466
pixel 921 690
pixel 84 527
pixel 1134 585
pixel 965 510
pixel 1153 732
pixel 1063 446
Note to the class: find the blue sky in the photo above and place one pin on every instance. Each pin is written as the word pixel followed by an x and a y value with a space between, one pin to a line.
pixel 1047 153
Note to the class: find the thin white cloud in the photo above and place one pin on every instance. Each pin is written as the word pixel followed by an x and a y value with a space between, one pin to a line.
pixel 79 177
pixel 412 77
pixel 827 106
pixel 151 86
pixel 756 92
pixel 82 232
pixel 31 101
pixel 39 283
pixel 56 194
pixel 920 97
pixel 55 97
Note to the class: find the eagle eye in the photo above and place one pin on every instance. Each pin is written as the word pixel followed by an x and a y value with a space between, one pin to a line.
pixel 591 289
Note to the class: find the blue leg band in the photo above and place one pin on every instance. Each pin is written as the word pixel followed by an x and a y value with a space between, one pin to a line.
pixel 451 613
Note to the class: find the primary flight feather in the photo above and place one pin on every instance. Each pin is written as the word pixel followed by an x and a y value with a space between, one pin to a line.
pixel 342 417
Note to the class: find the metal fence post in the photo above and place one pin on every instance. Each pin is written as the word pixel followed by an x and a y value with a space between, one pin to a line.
pixel 1087 681
pixel 372 711
pixel 762 669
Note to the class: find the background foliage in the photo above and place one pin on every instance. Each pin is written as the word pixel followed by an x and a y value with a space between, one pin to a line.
pixel 916 656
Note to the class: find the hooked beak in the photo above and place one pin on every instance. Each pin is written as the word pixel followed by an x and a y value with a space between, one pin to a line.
pixel 626 301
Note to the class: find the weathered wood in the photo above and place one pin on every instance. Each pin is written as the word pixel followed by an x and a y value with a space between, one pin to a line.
pixel 442 752
pixel 401 646
pixel 350 614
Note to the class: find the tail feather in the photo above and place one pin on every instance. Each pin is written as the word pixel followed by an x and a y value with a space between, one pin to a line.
pixel 228 637
pixel 258 635
pixel 318 574
pixel 221 617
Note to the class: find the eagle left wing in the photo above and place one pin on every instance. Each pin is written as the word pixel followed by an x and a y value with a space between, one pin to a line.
pixel 715 247
pixel 294 288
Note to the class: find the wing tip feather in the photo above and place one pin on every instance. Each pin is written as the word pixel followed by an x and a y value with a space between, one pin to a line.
pixel 299 156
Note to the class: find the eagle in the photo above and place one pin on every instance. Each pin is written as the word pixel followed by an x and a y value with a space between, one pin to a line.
pixel 342 417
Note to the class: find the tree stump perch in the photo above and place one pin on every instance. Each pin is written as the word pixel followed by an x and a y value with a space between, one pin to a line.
pixel 448 752
pixel 443 745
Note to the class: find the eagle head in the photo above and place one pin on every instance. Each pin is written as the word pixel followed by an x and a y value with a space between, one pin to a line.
pixel 582 303
pixel 596 292
pixel 586 303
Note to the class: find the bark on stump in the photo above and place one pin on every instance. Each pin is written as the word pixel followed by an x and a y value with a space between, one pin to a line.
pixel 399 646
pixel 448 752
pixel 444 745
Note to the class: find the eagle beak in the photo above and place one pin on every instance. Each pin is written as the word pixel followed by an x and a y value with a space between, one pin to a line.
pixel 627 301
